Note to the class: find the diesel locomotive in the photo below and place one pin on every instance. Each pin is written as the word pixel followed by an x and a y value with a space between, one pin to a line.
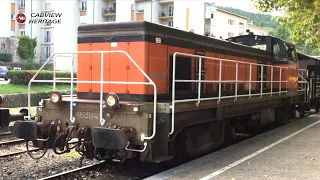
pixel 155 93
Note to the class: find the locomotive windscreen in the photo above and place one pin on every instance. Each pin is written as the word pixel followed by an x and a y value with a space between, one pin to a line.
pixel 254 41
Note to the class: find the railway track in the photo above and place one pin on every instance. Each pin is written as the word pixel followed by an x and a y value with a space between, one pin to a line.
pixel 62 174
pixel 11 142
pixel 17 153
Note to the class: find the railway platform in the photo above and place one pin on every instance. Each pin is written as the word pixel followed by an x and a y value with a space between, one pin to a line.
pixel 291 151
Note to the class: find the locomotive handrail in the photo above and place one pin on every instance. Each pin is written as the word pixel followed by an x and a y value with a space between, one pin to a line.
pixel 101 82
pixel 304 81
pixel 55 68
pixel 220 81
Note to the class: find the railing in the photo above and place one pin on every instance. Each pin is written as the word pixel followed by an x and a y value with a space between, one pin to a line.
pixel 303 84
pixel 220 81
pixel 101 82
pixel 109 10
pixel 55 69
pixel 165 14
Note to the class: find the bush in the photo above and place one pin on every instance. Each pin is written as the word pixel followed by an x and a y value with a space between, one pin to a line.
pixel 29 66
pixel 24 76
pixel 6 57
pixel 26 48
pixel 24 64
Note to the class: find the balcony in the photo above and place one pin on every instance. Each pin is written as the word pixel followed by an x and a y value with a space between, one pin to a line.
pixel 165 14
pixel 108 12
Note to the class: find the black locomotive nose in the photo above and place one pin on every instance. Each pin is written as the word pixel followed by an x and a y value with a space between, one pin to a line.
pixel 112 139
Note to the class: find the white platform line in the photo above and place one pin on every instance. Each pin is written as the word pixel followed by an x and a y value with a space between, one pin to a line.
pixel 216 173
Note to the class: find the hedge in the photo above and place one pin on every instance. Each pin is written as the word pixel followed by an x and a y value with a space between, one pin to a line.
pixel 24 64
pixel 24 76
pixel 6 57
pixel 21 100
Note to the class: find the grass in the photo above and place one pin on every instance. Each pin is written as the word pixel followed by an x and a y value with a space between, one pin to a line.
pixel 12 88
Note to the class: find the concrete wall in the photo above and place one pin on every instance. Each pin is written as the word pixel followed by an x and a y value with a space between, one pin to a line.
pixel 124 7
pixel 11 45
pixel 34 30
pixel 65 38
pixel 223 28
pixel 258 30
pixel 5 12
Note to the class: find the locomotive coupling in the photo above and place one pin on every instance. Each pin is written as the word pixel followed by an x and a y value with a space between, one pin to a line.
pixel 6 117
pixel 30 130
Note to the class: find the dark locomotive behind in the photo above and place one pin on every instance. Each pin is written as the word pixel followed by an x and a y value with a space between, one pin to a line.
pixel 156 93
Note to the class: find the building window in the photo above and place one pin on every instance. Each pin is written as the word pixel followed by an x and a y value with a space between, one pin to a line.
pixel 170 10
pixel 23 33
pixel 47 36
pixel 12 17
pixel 48 24
pixel 3 46
pixel 48 52
pixel 83 5
pixel 230 34
pixel 47 6
pixel 22 4
pixel 231 22
pixel 170 23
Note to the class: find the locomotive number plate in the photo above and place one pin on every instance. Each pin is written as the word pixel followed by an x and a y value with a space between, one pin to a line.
pixel 87 115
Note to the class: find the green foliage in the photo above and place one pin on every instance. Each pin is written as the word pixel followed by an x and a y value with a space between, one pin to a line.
pixel 28 66
pixel 24 76
pixel 6 57
pixel 302 16
pixel 26 48
pixel 276 28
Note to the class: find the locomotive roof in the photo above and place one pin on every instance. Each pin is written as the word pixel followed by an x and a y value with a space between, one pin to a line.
pixel 143 27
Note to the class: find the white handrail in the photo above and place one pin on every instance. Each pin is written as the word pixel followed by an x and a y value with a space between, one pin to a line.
pixel 101 82
pixel 236 81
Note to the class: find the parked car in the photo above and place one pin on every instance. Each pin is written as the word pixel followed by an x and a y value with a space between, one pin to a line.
pixel 4 72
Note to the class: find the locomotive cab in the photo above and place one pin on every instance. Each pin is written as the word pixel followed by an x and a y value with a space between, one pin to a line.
pixel 283 54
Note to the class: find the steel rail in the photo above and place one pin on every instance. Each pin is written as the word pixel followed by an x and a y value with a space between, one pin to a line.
pixel 12 142
pixel 55 176
pixel 17 153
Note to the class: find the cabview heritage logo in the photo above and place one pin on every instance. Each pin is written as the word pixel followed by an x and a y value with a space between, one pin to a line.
pixel 40 18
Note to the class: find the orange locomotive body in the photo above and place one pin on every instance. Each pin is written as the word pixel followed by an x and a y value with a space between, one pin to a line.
pixel 195 92
pixel 153 50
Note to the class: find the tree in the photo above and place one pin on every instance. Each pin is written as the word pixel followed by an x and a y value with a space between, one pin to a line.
pixel 303 16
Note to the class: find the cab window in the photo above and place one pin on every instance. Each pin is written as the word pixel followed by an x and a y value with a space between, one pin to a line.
pixel 278 50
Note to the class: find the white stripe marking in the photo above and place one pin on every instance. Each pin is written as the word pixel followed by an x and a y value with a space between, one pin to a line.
pixel 216 173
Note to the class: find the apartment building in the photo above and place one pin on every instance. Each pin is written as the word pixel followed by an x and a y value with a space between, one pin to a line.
pixel 258 30
pixel 198 16
pixel 223 24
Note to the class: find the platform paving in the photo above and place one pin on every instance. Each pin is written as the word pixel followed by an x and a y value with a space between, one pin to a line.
pixel 289 152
